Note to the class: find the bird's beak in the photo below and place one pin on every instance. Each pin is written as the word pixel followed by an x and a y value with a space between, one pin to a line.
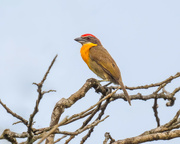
pixel 80 40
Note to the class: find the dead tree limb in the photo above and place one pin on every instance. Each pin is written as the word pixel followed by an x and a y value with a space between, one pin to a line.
pixel 164 132
pixel 92 119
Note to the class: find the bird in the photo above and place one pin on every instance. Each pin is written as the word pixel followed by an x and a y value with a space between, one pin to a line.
pixel 100 61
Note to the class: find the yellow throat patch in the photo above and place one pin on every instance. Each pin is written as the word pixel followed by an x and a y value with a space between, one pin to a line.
pixel 85 52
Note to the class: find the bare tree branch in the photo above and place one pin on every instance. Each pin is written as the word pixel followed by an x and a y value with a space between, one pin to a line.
pixel 40 95
pixel 160 133
pixel 66 103
pixel 167 96
pixel 11 136
pixel 168 80
pixel 166 127
pixel 90 116
pixel 151 137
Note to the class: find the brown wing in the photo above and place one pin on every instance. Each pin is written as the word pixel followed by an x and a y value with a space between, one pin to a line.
pixel 101 56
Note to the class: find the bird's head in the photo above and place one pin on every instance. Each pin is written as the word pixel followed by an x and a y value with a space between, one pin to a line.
pixel 88 38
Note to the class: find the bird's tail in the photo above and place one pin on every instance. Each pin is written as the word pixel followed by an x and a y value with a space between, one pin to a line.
pixel 125 92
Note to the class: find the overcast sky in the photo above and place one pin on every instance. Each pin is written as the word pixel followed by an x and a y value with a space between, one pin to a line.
pixel 142 36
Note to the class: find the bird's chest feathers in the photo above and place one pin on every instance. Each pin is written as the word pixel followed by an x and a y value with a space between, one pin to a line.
pixel 85 52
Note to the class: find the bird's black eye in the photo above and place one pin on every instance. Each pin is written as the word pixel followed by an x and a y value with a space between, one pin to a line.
pixel 87 38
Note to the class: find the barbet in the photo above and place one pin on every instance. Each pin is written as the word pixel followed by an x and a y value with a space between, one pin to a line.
pixel 100 61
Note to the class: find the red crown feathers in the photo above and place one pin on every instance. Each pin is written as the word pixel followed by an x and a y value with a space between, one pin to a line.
pixel 84 35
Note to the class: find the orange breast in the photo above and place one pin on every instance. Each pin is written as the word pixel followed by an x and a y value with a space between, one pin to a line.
pixel 85 52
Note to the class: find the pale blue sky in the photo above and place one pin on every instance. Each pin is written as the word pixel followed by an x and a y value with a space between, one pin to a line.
pixel 142 36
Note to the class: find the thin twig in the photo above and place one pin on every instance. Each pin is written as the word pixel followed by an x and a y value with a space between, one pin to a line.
pixel 17 122
pixel 92 115
pixel 107 137
pixel 45 76
pixel 98 118
pixel 78 116
pixel 58 140
pixel 14 114
pixel 175 91
pixel 40 95
pixel 155 106
pixel 168 80
pixel 86 127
